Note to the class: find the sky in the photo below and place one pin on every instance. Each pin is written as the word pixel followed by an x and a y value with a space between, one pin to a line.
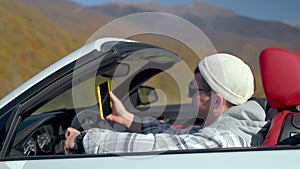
pixel 271 10
pixel 282 10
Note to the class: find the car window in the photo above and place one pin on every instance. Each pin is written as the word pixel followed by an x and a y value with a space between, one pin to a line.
pixel 83 95
pixel 42 133
pixel 171 85
pixel 168 90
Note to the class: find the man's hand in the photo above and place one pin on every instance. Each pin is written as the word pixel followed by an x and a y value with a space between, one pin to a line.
pixel 70 135
pixel 119 113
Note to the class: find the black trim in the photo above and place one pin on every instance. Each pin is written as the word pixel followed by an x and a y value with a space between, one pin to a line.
pixel 11 133
pixel 290 130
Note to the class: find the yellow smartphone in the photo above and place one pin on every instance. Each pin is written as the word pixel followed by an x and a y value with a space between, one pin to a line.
pixel 104 102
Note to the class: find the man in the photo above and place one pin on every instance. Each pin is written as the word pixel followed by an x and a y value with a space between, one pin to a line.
pixel 220 92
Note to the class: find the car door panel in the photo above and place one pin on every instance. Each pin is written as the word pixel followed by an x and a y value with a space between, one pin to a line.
pixel 203 159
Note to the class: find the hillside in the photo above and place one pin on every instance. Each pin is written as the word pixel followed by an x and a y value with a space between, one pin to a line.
pixel 295 24
pixel 29 43
pixel 228 31
pixel 71 16
pixel 212 19
pixel 227 21
pixel 44 30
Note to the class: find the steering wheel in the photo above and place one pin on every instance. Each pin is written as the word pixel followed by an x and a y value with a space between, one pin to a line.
pixel 88 119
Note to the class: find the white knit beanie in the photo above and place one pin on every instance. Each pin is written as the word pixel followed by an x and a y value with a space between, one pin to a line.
pixel 229 76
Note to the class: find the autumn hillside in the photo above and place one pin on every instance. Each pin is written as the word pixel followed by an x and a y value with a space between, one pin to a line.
pixel 29 42
pixel 71 16
pixel 36 33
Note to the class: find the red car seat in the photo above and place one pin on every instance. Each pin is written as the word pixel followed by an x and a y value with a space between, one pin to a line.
pixel 280 73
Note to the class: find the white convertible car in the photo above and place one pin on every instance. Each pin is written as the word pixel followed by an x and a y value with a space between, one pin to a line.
pixel 35 116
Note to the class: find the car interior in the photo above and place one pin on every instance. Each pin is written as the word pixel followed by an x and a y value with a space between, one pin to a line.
pixel 70 100
pixel 42 131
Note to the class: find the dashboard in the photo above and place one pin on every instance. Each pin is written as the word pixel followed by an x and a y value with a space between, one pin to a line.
pixel 42 134
pixel 41 142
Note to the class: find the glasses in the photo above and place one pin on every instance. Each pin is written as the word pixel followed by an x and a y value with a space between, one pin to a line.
pixel 192 89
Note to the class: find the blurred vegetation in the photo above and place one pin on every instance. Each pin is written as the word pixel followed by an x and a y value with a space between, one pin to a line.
pixel 29 43
pixel 35 34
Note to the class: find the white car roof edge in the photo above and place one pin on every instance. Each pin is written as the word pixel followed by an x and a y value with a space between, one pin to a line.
pixel 57 66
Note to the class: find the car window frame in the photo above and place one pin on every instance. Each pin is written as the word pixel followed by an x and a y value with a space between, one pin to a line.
pixel 54 81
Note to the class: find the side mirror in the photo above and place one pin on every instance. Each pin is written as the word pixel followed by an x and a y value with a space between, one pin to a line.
pixel 146 95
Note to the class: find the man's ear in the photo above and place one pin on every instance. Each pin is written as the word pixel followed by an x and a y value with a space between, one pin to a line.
pixel 219 104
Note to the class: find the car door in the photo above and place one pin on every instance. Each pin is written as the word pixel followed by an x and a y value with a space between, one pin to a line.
pixel 227 159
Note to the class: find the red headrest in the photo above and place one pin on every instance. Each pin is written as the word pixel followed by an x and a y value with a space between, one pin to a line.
pixel 280 73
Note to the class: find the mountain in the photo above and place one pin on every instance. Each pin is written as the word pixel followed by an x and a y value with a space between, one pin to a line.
pixel 34 25
pixel 71 16
pixel 29 43
pixel 210 17
pixel 295 24
pixel 228 31
pixel 117 10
